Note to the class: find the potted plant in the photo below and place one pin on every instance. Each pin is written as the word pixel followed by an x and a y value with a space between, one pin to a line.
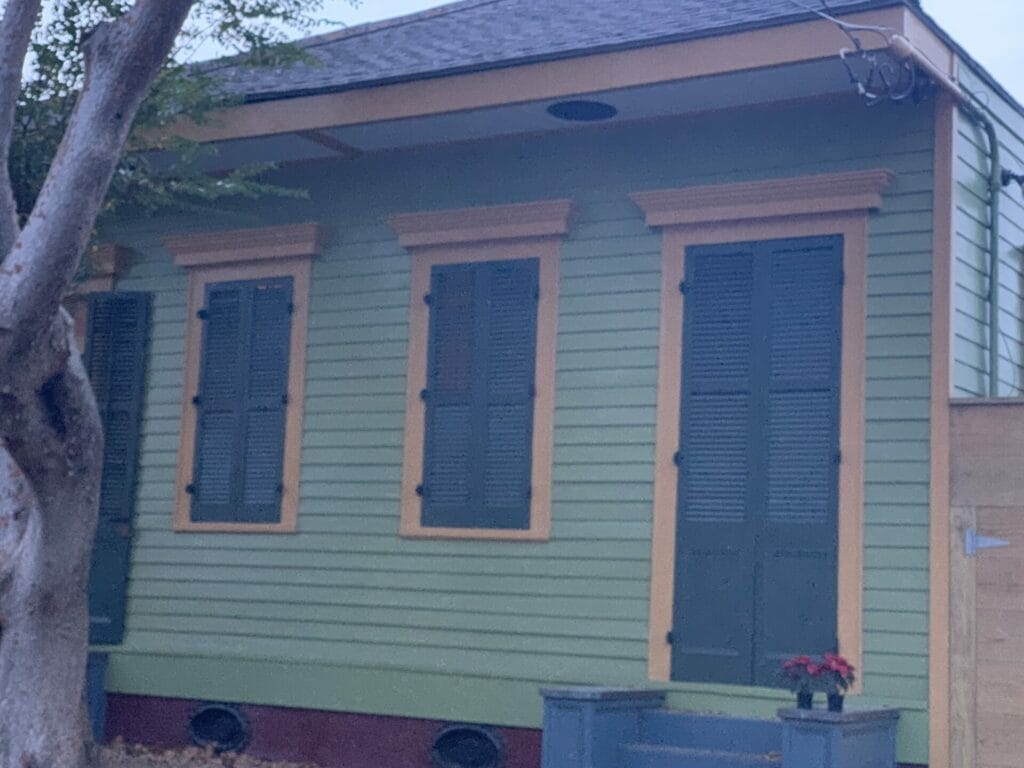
pixel 803 676
pixel 837 675
pixel 830 673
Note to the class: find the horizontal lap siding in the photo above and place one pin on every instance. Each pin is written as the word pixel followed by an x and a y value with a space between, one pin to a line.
pixel 971 267
pixel 347 592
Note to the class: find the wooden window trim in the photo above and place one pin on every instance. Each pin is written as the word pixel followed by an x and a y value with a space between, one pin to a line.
pixel 831 204
pixel 257 254
pixel 247 245
pixel 493 233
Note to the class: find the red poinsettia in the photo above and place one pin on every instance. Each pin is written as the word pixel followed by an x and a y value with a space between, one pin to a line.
pixel 802 673
pixel 838 672
pixel 829 672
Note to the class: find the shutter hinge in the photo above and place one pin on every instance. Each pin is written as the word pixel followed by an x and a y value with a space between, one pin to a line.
pixel 670 637
pixel 533 391
pixel 423 395
pixel 427 299
pixel 284 399
pixel 682 286
pixel 677 458
pixel 529 493
pixel 197 400
pixel 838 457
pixel 202 314
pixel 536 295
pixel 291 308
pixel 280 489
pixel 421 491
pixel 842 277
pixel 190 489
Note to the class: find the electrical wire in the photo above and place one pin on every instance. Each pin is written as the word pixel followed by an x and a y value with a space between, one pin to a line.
pixel 886 78
pixel 886 33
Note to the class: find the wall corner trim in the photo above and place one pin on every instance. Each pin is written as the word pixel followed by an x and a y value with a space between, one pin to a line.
pixel 247 245
pixel 819 194
pixel 546 218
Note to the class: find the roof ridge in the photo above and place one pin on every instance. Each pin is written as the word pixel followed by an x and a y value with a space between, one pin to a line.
pixel 396 21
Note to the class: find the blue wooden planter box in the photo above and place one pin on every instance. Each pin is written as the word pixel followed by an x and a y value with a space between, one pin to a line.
pixel 859 738
pixel 584 726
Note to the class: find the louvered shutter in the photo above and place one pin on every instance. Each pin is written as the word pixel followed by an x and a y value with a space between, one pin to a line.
pixel 479 397
pixel 758 477
pixel 510 341
pixel 242 401
pixel 799 535
pixel 266 401
pixel 448 437
pixel 713 625
pixel 117 333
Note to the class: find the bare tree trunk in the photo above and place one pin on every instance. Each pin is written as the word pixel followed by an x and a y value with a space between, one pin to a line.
pixel 42 656
pixel 50 433
pixel 50 511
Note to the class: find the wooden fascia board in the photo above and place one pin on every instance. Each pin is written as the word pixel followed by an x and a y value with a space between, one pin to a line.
pixel 546 218
pixel 825 193
pixel 649 65
pixel 258 244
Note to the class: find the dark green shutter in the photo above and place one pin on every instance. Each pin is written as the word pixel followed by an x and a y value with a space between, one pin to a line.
pixel 713 625
pixel 799 531
pixel 242 402
pixel 117 333
pixel 479 398
pixel 758 478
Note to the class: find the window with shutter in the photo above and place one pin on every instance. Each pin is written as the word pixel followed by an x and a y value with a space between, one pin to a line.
pixel 245 359
pixel 479 395
pixel 479 421
pixel 241 402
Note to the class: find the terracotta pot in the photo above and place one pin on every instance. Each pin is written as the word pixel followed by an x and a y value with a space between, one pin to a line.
pixel 835 702
pixel 805 700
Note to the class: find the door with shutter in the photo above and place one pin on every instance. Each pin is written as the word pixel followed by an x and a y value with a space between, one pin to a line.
pixel 757 532
pixel 117 333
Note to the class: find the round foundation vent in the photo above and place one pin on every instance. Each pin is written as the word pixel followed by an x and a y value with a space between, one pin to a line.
pixel 467 746
pixel 220 726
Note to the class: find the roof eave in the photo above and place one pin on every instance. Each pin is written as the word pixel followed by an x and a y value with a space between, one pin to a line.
pixel 867 5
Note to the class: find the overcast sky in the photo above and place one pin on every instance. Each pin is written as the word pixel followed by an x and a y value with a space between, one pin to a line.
pixel 992 31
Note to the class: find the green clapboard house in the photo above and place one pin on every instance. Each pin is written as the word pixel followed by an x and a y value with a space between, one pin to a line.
pixel 614 344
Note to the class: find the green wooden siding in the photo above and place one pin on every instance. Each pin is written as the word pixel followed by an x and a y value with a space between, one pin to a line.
pixel 970 266
pixel 347 615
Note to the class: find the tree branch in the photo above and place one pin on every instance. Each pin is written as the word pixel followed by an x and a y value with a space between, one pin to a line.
pixel 15 34
pixel 121 60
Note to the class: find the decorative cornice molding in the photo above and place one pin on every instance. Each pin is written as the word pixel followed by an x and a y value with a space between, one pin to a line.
pixel 802 195
pixel 482 224
pixel 241 245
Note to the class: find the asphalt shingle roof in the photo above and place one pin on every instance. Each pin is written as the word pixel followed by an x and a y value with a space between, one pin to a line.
pixel 482 34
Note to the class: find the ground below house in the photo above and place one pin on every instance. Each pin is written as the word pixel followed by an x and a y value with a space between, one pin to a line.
pixel 117 754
